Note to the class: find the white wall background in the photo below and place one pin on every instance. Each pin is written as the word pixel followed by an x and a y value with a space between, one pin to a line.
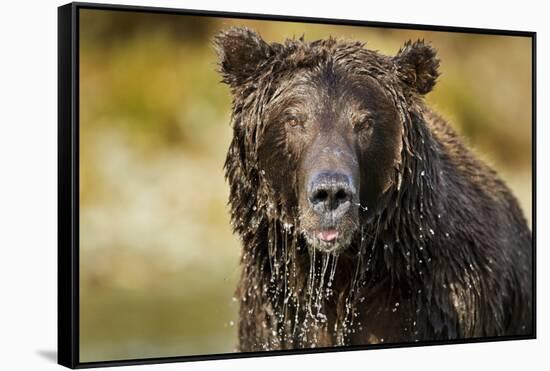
pixel 28 182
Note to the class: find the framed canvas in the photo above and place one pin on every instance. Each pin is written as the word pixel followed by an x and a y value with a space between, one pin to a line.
pixel 238 185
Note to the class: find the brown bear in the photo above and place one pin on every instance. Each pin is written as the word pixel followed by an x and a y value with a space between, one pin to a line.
pixel 363 217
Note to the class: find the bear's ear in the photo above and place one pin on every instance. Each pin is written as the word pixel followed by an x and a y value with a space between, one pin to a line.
pixel 417 65
pixel 241 52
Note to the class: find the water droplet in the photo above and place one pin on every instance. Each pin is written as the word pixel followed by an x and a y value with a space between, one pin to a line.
pixel 447 235
pixel 397 304
pixel 432 231
pixel 231 323
pixel 422 173
pixel 254 207
pixel 364 208
pixel 233 299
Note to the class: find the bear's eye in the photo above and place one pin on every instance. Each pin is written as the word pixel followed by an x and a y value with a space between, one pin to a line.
pixel 364 124
pixel 294 122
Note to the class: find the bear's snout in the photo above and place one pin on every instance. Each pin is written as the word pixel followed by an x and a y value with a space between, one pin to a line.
pixel 331 194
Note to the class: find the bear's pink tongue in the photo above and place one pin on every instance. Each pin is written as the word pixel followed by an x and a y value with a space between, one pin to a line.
pixel 328 235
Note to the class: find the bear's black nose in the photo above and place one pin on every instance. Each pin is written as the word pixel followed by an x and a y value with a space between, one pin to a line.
pixel 331 192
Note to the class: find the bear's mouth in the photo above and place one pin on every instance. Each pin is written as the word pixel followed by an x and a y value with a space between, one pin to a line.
pixel 328 240
pixel 328 235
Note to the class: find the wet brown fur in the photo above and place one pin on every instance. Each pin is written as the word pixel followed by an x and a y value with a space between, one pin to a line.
pixel 445 254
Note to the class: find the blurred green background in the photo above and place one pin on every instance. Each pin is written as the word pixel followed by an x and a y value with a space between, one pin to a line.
pixel 158 261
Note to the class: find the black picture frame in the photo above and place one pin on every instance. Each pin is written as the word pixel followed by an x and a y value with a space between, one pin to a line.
pixel 68 180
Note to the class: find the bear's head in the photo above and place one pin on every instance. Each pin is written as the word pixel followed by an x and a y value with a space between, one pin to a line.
pixel 319 129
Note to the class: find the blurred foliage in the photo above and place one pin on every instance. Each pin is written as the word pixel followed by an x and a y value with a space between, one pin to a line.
pixel 158 261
